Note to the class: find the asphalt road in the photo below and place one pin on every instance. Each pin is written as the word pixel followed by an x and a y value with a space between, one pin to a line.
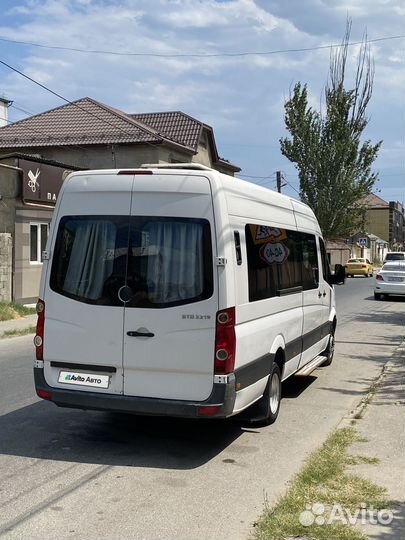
pixel 81 475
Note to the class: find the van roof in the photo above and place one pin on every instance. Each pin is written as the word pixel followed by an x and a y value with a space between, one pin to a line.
pixel 233 185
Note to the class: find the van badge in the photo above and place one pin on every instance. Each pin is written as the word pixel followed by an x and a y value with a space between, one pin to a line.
pixel 198 317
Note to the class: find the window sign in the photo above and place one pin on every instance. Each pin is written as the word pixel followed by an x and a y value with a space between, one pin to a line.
pixel 280 261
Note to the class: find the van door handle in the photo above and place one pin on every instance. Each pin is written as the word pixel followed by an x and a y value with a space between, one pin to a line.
pixel 319 294
pixel 133 333
pixel 324 294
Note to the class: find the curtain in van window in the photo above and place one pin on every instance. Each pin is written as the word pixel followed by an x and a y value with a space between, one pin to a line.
pixel 174 267
pixel 91 258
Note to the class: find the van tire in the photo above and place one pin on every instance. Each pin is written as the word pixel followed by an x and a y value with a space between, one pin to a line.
pixel 329 351
pixel 265 411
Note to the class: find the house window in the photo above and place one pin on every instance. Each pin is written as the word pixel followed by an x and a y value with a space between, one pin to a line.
pixel 38 237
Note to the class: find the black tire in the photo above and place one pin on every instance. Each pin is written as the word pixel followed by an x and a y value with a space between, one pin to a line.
pixel 329 351
pixel 265 411
pixel 377 296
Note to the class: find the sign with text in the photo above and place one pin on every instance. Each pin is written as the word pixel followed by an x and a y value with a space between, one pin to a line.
pixel 41 182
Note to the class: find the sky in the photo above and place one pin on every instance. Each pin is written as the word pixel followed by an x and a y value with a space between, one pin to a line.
pixel 240 95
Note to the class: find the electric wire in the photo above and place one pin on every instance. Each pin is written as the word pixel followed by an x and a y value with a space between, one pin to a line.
pixel 198 55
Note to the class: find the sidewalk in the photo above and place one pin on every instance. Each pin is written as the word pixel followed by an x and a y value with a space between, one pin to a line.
pixel 17 324
pixel 383 428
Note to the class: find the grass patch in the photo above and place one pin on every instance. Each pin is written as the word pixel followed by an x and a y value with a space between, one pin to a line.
pixel 323 481
pixel 10 310
pixel 22 332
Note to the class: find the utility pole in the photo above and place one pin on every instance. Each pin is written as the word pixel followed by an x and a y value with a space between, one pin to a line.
pixel 278 177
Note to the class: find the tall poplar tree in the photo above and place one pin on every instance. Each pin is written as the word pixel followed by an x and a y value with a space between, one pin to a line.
pixel 333 160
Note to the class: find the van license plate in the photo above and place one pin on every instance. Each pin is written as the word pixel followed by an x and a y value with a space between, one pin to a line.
pixel 84 379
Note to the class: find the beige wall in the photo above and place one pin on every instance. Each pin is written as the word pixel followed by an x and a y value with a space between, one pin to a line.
pixel 99 157
pixel 377 222
pixel 27 275
pixel 9 190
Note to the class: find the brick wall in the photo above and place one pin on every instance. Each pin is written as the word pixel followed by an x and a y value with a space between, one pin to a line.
pixel 5 266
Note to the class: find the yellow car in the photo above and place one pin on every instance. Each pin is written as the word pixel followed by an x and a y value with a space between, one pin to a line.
pixel 359 267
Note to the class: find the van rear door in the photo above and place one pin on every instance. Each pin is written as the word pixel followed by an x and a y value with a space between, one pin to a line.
pixel 169 319
pixel 83 314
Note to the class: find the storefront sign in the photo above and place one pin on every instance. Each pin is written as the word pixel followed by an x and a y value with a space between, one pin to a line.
pixel 41 182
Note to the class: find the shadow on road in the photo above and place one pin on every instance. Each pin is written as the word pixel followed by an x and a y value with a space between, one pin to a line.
pixel 294 386
pixel 44 431
pixel 384 299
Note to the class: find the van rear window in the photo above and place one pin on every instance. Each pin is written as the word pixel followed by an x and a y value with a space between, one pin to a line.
pixel 164 261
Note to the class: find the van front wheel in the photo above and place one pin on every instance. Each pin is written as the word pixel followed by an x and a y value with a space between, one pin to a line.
pixel 266 410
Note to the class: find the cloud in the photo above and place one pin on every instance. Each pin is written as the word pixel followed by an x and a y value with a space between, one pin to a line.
pixel 242 97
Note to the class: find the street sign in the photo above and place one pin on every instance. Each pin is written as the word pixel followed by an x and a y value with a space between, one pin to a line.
pixel 362 242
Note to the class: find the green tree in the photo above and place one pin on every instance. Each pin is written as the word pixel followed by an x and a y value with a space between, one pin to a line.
pixel 333 162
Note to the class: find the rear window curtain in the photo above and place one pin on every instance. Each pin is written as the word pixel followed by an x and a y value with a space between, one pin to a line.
pixel 164 261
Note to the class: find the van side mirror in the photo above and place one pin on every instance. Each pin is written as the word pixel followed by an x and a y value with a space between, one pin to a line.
pixel 339 277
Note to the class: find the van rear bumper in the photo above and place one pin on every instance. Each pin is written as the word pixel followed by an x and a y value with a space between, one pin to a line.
pixel 222 396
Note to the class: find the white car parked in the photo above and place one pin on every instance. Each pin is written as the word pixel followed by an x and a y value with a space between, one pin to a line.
pixel 390 280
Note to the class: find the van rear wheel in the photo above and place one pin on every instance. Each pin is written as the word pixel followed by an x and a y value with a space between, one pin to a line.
pixel 266 410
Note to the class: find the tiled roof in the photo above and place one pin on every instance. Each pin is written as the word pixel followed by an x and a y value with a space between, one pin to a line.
pixel 374 200
pixel 177 126
pixel 83 122
pixel 86 122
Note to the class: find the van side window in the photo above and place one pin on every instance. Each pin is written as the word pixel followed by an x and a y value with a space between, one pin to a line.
pixel 310 265
pixel 238 248
pixel 279 261
pixel 325 261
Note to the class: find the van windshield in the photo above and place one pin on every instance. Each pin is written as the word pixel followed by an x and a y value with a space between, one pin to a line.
pixel 164 261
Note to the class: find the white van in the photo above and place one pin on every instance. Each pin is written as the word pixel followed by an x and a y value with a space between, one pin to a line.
pixel 180 291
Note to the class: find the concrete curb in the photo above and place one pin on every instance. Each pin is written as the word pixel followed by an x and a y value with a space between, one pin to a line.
pixel 379 421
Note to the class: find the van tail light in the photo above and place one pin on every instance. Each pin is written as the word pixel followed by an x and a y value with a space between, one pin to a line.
pixel 225 341
pixel 39 336
pixel 44 394
pixel 379 277
pixel 208 410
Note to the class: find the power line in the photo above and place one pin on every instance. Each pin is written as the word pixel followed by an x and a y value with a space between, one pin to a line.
pixel 197 55
pixel 70 102
pixel 22 110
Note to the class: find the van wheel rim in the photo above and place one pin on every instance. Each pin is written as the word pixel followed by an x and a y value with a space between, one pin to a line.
pixel 274 394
